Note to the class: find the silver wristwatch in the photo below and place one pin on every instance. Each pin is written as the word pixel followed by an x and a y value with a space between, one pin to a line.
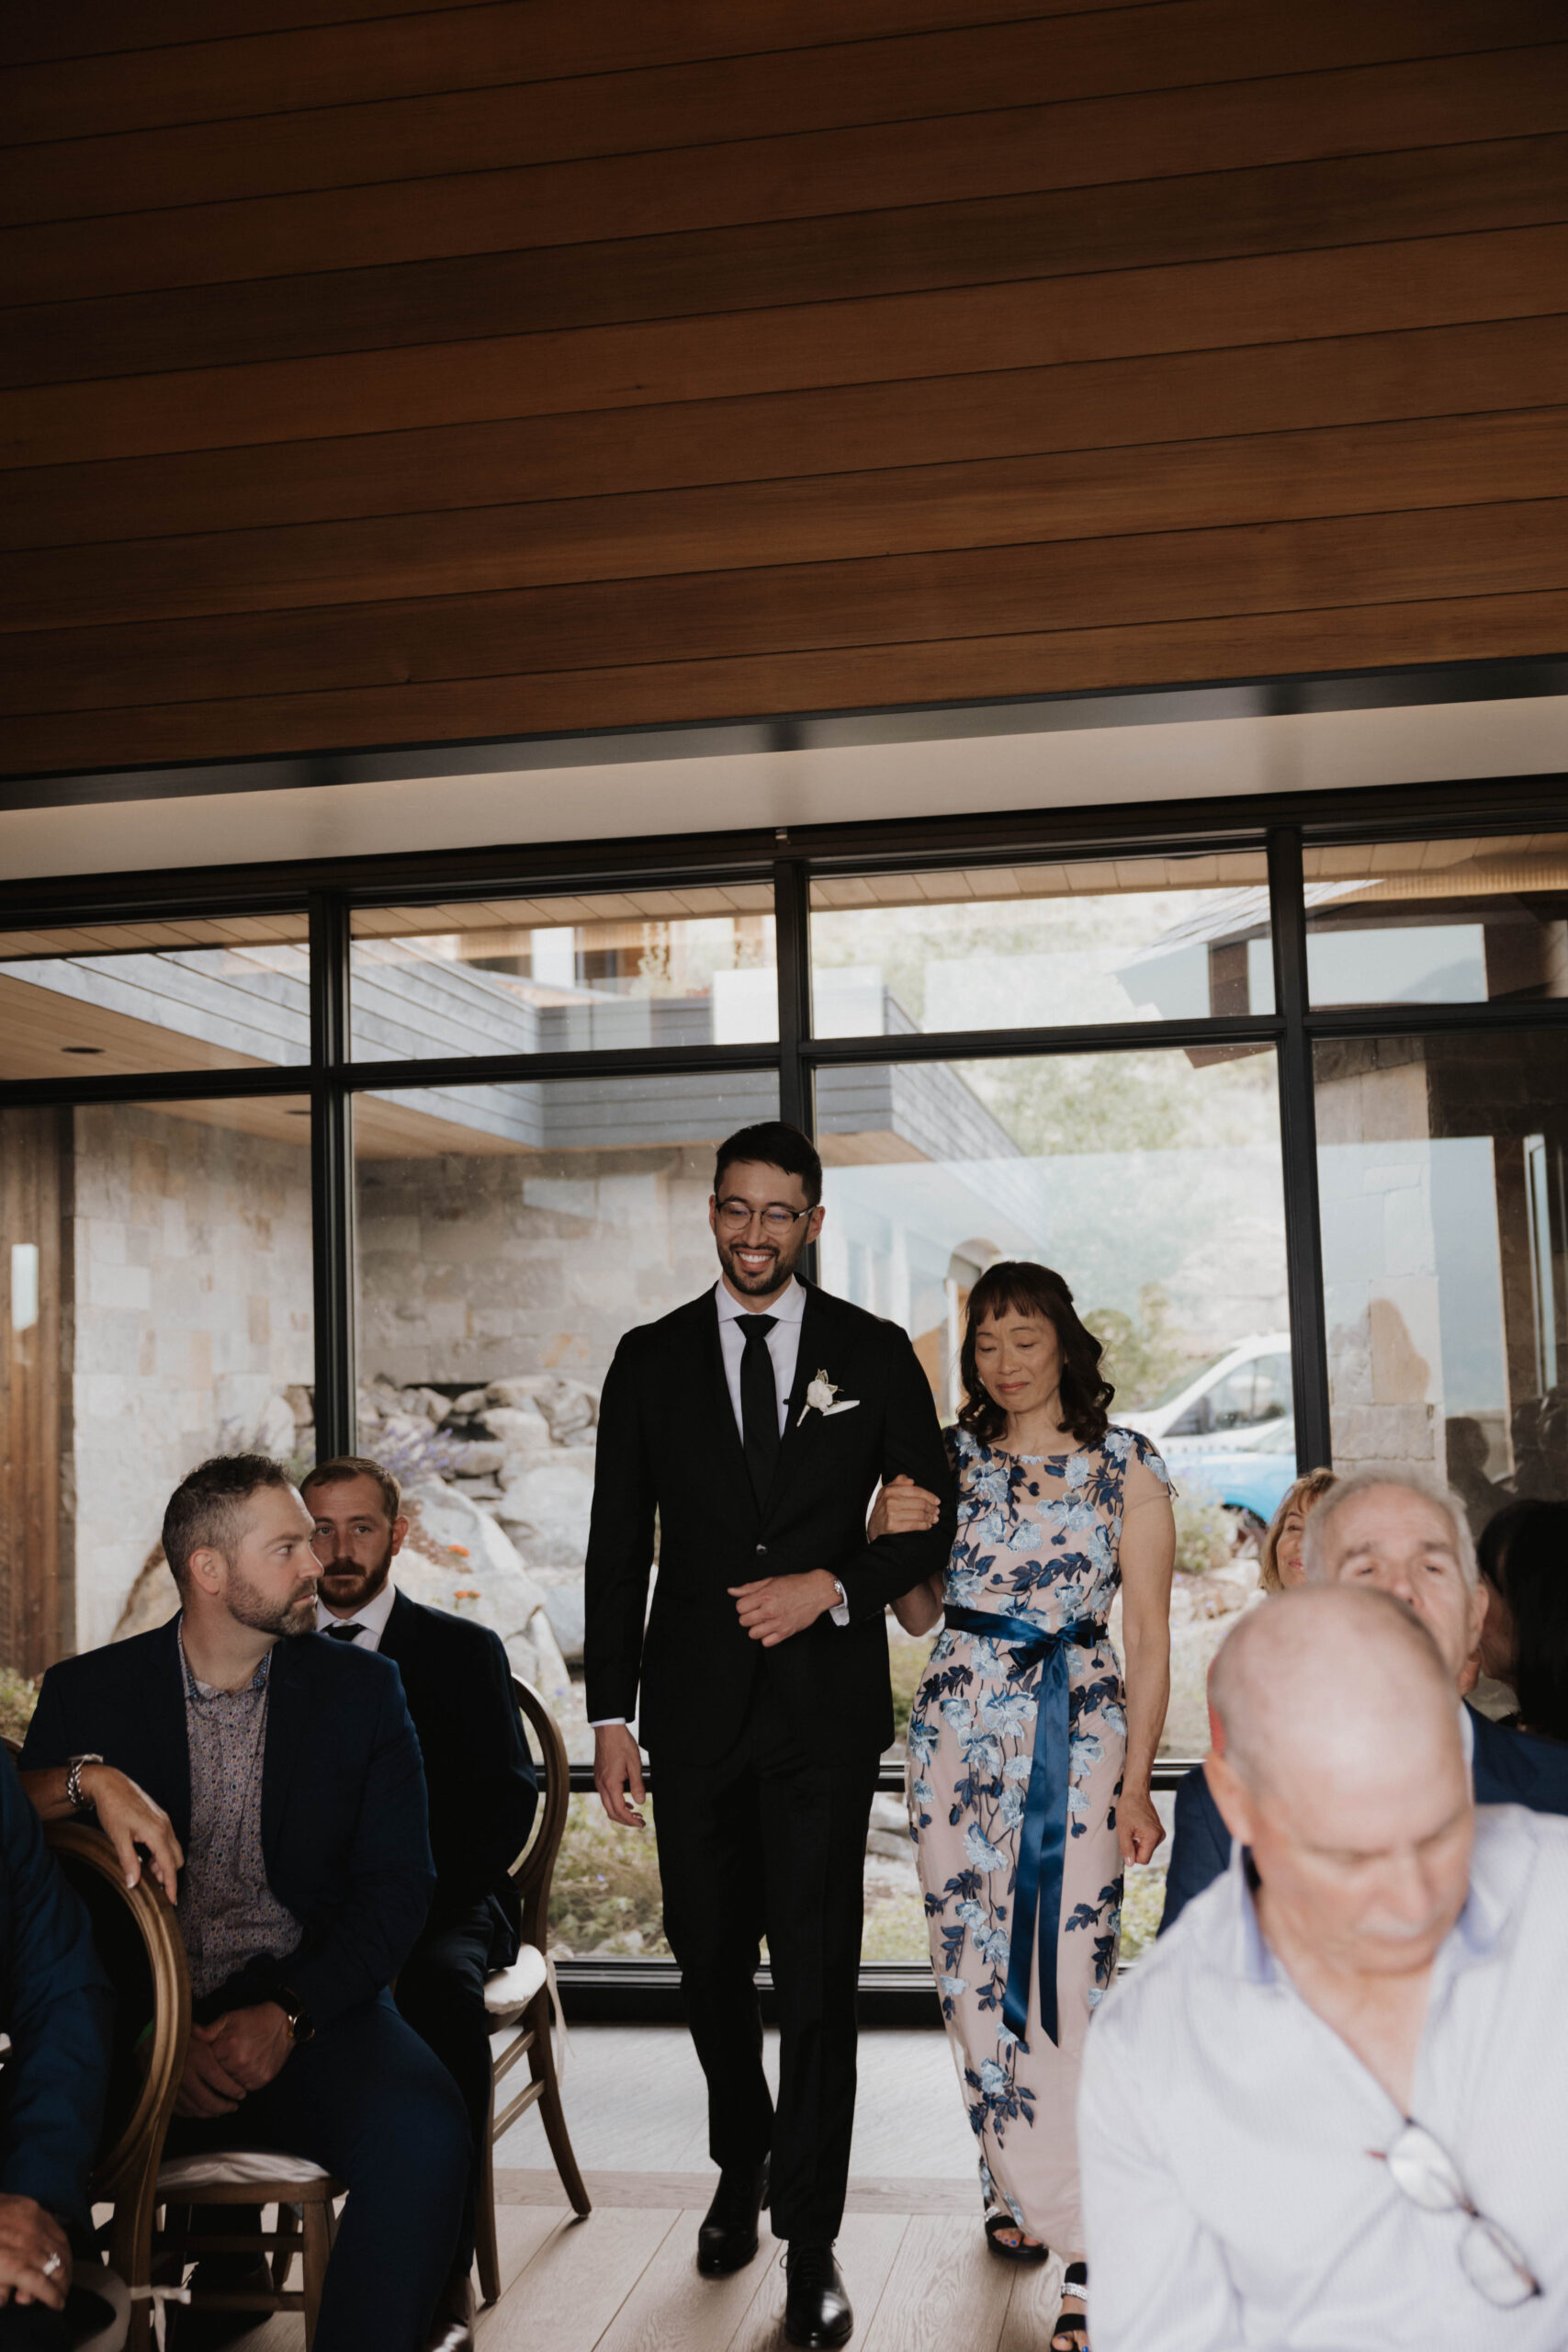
pixel 73 1797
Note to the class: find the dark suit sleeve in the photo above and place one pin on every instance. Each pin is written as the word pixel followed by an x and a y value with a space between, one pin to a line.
pixel 57 2012
pixel 493 1785
pixel 359 1945
pixel 620 1543
pixel 912 1447
pixel 1200 1846
pixel 48 1740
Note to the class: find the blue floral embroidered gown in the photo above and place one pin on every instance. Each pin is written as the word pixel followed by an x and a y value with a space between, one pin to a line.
pixel 1039 1539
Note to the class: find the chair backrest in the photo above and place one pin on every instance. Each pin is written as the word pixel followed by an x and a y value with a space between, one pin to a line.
pixel 536 1866
pixel 137 2137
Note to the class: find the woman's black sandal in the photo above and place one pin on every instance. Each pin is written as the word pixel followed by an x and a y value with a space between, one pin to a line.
pixel 1075 2282
pixel 1001 2220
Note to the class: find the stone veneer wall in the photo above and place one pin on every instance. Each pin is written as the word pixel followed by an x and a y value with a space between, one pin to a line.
pixel 481 1268
pixel 193 1313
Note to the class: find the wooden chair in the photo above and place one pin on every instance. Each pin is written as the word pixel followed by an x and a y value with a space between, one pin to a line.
pixel 127 2171
pixel 519 1998
pixel 255 2177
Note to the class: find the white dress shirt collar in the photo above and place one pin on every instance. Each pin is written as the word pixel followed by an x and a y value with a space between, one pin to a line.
pixel 372 1617
pixel 788 1308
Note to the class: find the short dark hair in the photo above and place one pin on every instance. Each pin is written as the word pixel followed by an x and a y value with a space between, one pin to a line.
pixel 1017 1287
pixel 207 1509
pixel 344 1466
pixel 777 1143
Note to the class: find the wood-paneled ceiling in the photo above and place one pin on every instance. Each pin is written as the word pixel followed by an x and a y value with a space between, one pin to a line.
pixel 379 374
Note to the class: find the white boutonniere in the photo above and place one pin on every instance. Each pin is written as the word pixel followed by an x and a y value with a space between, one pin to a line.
pixel 818 1396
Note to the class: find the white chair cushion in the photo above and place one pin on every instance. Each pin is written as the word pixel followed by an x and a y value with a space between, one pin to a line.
pixel 108 2285
pixel 237 2168
pixel 509 1990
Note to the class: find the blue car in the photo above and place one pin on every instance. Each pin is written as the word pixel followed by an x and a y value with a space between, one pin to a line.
pixel 1250 1480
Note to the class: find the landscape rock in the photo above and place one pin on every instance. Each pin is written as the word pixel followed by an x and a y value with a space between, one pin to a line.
pixel 566 1607
pixel 520 1429
pixel 275 1428
pixel 477 1457
pixel 429 1402
pixel 302 1403
pixel 565 1404
pixel 547 1508
pixel 457 1559
pixel 467 1406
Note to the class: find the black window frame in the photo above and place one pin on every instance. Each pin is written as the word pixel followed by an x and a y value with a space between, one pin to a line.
pixel 331 891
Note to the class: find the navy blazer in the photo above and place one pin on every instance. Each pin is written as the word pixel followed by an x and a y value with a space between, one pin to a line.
pixel 55 2004
pixel 482 1786
pixel 1507 1768
pixel 343 1830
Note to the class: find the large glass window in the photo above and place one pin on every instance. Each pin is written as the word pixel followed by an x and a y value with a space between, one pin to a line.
pixel 197 993
pixel 1024 946
pixel 1151 1179
pixel 1443 1172
pixel 507 1235
pixel 160 1310
pixel 1471 920
pixel 546 976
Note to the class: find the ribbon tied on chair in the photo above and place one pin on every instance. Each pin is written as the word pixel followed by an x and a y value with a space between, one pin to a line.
pixel 1042 1833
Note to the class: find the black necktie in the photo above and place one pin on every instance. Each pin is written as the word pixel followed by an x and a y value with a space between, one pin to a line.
pixel 758 1404
pixel 343 1632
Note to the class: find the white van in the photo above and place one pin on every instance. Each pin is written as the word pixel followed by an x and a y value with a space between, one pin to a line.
pixel 1239 1393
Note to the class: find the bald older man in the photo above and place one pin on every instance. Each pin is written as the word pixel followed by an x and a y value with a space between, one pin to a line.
pixel 1330 2112
pixel 1413 1542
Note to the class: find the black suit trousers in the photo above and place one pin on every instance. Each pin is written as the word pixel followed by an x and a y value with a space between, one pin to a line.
pixel 441 1991
pixel 771 1842
pixel 366 2099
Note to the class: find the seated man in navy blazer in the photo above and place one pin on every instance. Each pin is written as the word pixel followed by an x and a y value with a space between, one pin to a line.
pixel 55 2006
pixel 1391 1535
pixel 457 1681
pixel 281 1776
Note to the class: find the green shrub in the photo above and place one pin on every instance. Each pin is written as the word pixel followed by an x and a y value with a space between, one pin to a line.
pixel 1142 1905
pixel 908 1655
pixel 1204 1537
pixel 607 1896
pixel 18 1697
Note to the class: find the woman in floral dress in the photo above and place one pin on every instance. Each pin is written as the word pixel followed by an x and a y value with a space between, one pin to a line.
pixel 1029 1759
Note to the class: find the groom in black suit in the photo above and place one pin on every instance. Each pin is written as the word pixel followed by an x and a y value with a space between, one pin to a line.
pixel 755 1424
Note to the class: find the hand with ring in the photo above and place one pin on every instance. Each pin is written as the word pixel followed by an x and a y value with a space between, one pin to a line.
pixel 34 2255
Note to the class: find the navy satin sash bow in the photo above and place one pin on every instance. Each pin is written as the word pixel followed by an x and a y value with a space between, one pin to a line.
pixel 1042 1834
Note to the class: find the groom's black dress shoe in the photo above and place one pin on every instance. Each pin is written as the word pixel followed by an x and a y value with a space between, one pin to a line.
pixel 727 2239
pixel 816 2305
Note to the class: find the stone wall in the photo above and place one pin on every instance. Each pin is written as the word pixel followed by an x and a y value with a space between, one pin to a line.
pixel 487 1267
pixel 192 1247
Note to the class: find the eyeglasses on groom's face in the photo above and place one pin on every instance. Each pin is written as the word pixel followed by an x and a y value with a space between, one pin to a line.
pixel 733 1217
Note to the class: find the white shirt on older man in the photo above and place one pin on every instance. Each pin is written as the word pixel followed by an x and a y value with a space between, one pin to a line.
pixel 1229 2139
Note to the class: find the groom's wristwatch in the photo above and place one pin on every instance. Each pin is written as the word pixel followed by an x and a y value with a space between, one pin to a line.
pixel 73 1797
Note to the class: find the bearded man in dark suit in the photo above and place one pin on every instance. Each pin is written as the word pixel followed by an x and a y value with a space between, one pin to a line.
pixel 482 1787
pixel 754 1425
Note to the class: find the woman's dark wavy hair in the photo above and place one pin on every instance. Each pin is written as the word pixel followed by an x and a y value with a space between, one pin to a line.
pixel 1524 1551
pixel 1016 1286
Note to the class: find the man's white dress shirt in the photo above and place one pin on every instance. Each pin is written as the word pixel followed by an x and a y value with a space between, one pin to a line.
pixel 371 1620
pixel 1234 2200
pixel 784 1350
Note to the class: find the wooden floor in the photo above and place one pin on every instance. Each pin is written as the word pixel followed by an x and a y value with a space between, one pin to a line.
pixel 626 2279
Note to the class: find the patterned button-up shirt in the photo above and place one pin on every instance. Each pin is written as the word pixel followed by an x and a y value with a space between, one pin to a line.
pixel 228 1912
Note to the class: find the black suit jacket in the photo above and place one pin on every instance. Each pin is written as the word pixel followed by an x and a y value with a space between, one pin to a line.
pixel 1507 1768
pixel 55 2005
pixel 669 1445
pixel 478 1771
pixel 343 1833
